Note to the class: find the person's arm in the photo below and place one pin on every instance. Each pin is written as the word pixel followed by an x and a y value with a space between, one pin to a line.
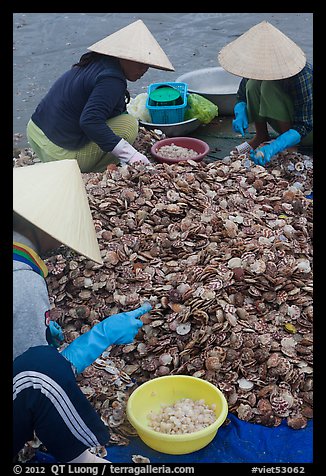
pixel 241 93
pixel 117 329
pixel 30 306
pixel 101 106
pixel 240 123
pixel 263 155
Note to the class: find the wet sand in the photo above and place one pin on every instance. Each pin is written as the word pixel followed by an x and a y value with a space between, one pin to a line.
pixel 47 44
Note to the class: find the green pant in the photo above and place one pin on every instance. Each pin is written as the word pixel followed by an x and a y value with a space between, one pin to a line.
pixel 90 158
pixel 267 101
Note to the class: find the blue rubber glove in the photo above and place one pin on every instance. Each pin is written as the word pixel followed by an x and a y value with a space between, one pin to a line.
pixel 54 334
pixel 240 123
pixel 262 155
pixel 117 329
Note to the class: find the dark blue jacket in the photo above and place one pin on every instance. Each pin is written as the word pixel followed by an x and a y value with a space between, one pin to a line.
pixel 75 109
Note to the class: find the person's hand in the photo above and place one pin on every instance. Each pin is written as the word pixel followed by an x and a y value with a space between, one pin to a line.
pixel 127 154
pixel 54 334
pixel 122 328
pixel 138 157
pixel 240 123
pixel 263 155
pixel 117 329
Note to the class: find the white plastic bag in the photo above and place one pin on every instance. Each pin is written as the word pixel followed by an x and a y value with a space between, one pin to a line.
pixel 137 108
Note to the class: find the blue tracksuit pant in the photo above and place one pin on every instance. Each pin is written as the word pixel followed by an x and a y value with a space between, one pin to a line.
pixel 47 400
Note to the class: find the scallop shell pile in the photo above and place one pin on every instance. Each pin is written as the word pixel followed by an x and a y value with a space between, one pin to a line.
pixel 223 252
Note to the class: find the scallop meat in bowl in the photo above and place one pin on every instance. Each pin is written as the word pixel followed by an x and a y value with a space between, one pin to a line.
pixel 177 149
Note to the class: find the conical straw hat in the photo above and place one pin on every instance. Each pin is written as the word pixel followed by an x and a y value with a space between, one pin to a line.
pixel 52 196
pixel 264 53
pixel 136 43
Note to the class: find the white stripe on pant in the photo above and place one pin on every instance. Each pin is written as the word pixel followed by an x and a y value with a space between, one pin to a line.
pixel 61 402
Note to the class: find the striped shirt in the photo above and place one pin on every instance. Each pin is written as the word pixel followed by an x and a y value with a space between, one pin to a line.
pixel 300 89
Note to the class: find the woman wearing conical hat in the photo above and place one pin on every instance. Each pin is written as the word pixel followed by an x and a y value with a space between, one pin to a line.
pixel 276 89
pixel 83 115
pixel 51 208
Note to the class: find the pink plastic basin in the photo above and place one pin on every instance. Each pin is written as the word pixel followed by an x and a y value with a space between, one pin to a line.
pixel 189 142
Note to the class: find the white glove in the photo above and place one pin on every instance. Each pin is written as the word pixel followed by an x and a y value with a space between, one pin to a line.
pixel 127 154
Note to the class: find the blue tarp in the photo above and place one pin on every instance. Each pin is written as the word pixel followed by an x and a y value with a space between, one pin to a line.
pixel 237 442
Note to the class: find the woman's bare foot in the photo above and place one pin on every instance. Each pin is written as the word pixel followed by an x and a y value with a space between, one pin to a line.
pixel 292 149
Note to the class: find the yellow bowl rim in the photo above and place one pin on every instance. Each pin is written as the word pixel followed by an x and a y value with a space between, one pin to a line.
pixel 186 436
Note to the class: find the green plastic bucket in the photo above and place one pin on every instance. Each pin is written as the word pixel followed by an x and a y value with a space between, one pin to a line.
pixel 165 96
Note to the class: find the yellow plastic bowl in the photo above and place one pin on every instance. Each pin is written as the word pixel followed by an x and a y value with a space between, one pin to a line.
pixel 167 390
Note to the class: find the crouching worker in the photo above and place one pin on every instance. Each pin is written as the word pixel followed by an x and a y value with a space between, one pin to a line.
pixel 83 115
pixel 276 89
pixel 51 208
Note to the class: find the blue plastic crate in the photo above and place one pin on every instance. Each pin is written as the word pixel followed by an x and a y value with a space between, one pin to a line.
pixel 168 114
